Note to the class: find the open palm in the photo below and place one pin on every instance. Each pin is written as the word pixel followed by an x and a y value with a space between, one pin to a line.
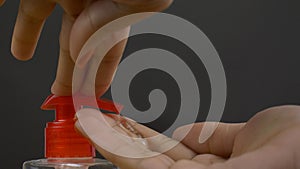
pixel 270 140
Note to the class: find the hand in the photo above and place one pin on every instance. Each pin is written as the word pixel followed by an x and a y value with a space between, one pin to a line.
pixel 2 2
pixel 270 140
pixel 81 19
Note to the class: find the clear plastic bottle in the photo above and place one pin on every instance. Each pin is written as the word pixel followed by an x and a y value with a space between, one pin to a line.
pixel 69 163
pixel 64 147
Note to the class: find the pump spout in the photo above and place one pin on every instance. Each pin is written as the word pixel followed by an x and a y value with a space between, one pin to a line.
pixel 61 138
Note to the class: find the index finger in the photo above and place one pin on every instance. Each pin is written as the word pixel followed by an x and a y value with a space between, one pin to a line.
pixel 30 20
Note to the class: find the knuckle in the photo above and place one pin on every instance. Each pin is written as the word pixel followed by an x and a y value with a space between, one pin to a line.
pixel 35 13
pixel 31 18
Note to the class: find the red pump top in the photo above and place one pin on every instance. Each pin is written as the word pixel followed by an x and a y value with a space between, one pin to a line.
pixel 61 139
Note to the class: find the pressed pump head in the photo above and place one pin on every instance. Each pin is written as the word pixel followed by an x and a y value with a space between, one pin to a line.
pixel 61 139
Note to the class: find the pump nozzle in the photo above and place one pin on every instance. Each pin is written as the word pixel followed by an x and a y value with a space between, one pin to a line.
pixel 61 139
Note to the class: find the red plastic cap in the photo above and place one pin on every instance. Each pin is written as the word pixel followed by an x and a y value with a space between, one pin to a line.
pixel 61 139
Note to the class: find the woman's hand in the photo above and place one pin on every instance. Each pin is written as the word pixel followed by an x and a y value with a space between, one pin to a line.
pixel 81 19
pixel 270 140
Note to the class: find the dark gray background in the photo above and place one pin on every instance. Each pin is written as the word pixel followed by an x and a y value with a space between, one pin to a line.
pixel 258 41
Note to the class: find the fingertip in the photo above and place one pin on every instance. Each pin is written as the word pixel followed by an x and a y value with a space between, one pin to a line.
pixel 22 52
pixel 60 89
